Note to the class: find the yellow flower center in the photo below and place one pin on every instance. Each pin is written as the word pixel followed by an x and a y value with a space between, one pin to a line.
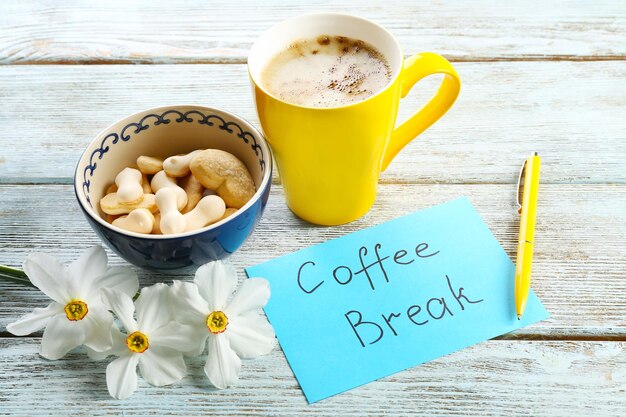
pixel 76 310
pixel 137 342
pixel 217 322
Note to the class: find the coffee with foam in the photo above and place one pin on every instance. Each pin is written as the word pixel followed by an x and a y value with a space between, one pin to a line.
pixel 328 71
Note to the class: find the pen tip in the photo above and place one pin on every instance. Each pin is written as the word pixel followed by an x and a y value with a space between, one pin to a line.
pixel 519 316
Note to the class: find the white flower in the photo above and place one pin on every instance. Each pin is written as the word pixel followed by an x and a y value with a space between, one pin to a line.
pixel 76 316
pixel 234 330
pixel 153 341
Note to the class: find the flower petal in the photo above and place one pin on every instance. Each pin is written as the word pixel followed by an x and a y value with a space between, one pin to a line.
pixel 189 307
pixel 162 366
pixel 122 376
pixel 222 364
pixel 99 326
pixel 61 336
pixel 216 281
pixel 118 347
pixel 89 266
pixel 180 337
pixel 251 295
pixel 122 306
pixel 47 274
pixel 34 320
pixel 97 356
pixel 153 307
pixel 250 335
pixel 120 278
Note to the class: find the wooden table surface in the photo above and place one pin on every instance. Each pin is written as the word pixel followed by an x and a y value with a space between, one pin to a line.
pixel 537 77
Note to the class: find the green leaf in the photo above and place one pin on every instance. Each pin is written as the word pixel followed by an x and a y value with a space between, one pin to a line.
pixel 15 275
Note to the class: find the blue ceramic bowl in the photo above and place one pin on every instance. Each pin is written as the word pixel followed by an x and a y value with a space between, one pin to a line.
pixel 163 132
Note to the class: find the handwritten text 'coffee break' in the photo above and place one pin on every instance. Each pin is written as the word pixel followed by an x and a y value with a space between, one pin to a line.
pixel 436 308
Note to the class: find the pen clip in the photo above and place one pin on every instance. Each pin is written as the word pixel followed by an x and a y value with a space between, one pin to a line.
pixel 520 186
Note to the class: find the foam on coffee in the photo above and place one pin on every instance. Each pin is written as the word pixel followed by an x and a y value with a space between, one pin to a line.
pixel 328 71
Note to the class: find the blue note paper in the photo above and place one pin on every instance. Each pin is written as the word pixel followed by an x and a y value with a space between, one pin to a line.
pixel 380 300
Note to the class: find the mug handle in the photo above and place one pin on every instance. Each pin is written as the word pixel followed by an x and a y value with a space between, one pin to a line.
pixel 415 68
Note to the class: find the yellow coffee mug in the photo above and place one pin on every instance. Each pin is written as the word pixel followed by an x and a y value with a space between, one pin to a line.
pixel 329 159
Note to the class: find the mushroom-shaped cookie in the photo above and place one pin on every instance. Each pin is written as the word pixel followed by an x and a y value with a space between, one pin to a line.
pixel 178 166
pixel 129 189
pixel 139 220
pixel 224 173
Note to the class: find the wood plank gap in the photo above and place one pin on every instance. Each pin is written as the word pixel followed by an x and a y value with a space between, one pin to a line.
pixel 563 337
pixel 243 60
pixel 383 181
pixel 542 58
pixel 401 181
pixel 504 337
pixel 37 181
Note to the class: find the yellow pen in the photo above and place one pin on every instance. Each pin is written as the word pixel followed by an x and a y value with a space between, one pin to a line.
pixel 527 203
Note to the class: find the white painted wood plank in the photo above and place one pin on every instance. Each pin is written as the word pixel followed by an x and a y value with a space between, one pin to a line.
pixel 578 269
pixel 198 31
pixel 572 113
pixel 495 378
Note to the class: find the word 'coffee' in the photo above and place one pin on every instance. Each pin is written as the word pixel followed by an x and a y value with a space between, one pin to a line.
pixel 329 71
